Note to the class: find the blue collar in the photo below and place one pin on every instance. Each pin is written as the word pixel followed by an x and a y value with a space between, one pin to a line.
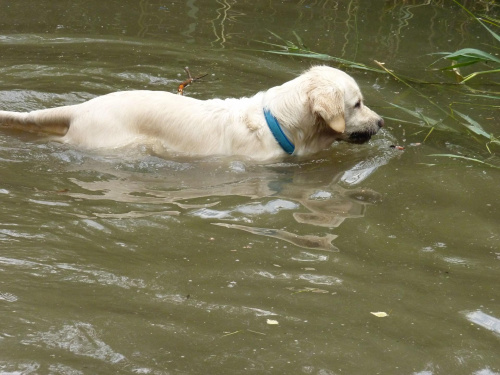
pixel 278 133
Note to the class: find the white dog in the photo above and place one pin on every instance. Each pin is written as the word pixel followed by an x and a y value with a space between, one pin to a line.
pixel 300 117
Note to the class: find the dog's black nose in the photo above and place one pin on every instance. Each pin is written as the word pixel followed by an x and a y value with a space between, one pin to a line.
pixel 380 122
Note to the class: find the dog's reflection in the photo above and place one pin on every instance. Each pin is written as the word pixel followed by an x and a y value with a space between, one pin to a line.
pixel 233 200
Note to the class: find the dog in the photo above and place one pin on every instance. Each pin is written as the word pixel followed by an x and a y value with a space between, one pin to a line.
pixel 301 117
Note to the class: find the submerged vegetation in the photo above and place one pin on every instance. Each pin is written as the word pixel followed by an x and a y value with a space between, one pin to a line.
pixel 474 58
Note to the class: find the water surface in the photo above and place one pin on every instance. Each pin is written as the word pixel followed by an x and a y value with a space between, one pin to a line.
pixel 136 263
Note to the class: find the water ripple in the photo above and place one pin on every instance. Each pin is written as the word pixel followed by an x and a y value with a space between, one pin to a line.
pixel 308 241
pixel 78 338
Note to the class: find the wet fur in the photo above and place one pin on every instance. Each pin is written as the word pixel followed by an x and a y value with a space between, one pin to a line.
pixel 319 107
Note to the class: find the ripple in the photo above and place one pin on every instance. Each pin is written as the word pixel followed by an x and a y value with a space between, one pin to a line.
pixel 271 207
pixel 73 273
pixel 9 297
pixel 19 262
pixel 16 234
pixel 93 276
pixel 49 203
pixel 269 275
pixel 136 214
pixel 78 338
pixel 255 209
pixel 210 307
pixel 321 279
pixel 153 164
pixel 310 257
pixel 484 320
pixel 308 241
pixel 321 195
pixel 206 213
pixel 455 260
pixel 366 168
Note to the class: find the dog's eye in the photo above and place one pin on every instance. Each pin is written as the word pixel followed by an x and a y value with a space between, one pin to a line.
pixel 358 104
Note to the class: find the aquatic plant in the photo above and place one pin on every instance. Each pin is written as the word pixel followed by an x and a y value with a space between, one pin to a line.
pixel 471 56
pixel 459 59
pixel 299 49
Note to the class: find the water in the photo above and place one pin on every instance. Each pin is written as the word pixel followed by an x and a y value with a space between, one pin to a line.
pixel 135 263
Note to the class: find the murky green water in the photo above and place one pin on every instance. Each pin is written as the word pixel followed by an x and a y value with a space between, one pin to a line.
pixel 126 262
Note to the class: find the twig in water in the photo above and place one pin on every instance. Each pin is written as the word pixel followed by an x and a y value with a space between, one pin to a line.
pixel 189 80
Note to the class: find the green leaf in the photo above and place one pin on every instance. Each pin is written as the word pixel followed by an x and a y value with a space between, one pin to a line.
pixel 289 48
pixel 472 75
pixel 299 39
pixel 495 35
pixel 473 125
pixel 471 54
pixel 493 21
pixel 494 97
pixel 465 57
pixel 429 122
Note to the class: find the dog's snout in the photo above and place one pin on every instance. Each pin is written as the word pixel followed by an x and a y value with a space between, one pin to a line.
pixel 380 123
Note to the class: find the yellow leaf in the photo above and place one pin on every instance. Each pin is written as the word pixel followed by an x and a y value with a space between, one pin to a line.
pixel 380 314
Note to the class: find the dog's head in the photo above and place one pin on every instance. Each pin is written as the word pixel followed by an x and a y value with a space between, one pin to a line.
pixel 336 100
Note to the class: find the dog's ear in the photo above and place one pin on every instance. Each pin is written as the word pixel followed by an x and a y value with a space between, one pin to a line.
pixel 328 103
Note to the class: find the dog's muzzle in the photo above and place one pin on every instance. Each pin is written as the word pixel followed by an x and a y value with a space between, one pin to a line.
pixel 365 136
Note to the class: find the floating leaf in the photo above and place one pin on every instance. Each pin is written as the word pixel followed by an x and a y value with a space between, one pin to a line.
pixel 379 314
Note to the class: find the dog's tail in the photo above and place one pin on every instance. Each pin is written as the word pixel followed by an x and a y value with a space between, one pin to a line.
pixel 52 120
